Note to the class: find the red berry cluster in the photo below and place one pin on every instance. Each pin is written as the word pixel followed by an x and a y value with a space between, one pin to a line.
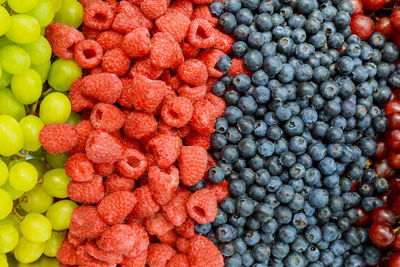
pixel 148 116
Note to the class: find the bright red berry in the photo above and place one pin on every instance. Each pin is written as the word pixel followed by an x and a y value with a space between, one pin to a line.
pixel 362 26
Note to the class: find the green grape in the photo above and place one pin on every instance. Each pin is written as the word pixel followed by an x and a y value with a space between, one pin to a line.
pixel 3 260
pixel 1 72
pixel 24 29
pixel 5 79
pixel 63 73
pixel 59 214
pixel 11 136
pixel 22 6
pixel 48 262
pixel 55 108
pixel 9 238
pixel 39 165
pixel 36 200
pixel 43 12
pixel 56 160
pixel 5 41
pixel 14 59
pixel 70 13
pixel 5 20
pixel 23 176
pixel 57 5
pixel 14 194
pixel 42 70
pixel 6 204
pixel 31 126
pixel 53 244
pixel 39 51
pixel 56 182
pixel 74 118
pixel 27 86
pixel 27 251
pixel 36 228
pixel 38 153
pixel 9 105
pixel 3 173
pixel 11 219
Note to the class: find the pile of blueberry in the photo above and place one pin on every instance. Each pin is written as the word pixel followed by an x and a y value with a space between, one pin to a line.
pixel 295 137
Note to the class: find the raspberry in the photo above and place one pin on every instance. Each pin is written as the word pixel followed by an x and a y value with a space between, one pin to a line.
pixel 202 206
pixel 163 183
pixel 67 254
pixel 183 6
pixel 105 87
pixel 166 149
pixel 83 129
pixel 218 104
pixel 177 111
pixel 145 205
pixel 153 9
pixel 113 4
pixel 203 119
pixel 203 2
pixel 151 160
pixel 182 244
pixel 203 12
pixel 62 39
pixel 110 257
pixel 135 2
pixel 137 43
pixel 87 192
pixel 140 124
pixel 85 260
pixel 192 93
pixel 138 261
pixel 114 208
pixel 157 224
pixel 210 59
pixel 164 128
pixel 115 61
pixel 159 254
pixel 201 33
pixel 175 210
pixel 96 70
pixel 115 183
pixel 101 147
pixel 179 260
pixel 142 240
pixel 88 53
pixel 209 83
pixel 130 17
pixel 179 59
pixel 148 94
pixel 174 82
pixel 220 190
pixel 107 117
pixel 186 229
pixel 189 51
pixel 192 164
pixel 119 238
pixel 98 15
pixel 104 169
pixel 237 67
pixel 144 67
pixel 202 252
pixel 79 168
pixel 86 222
pixel 223 42
pixel 89 33
pixel 125 99
pixel 196 139
pixel 75 240
pixel 77 99
pixel 109 39
pixel 174 23
pixel 168 238
pixel 164 50
pixel 58 137
pixel 193 72
pixel 132 164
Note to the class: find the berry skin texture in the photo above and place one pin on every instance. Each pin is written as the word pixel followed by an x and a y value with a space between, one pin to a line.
pixel 102 147
pixel 202 252
pixel 110 257
pixel 115 61
pixel 201 33
pixel 75 240
pixel 177 111
pixel 130 17
pixel 157 224
pixel 145 206
pixel 143 66
pixel 132 164
pixel 105 87
pixel 164 50
pixel 58 137
pixel 138 261
pixel 153 9
pixel 182 244
pixel 358 7
pixel 137 43
pixel 62 39
pixel 193 72
pixel 374 4
pixel 186 229
pixel 107 117
pixel 395 19
pixel 79 168
pixel 77 99
pixel 90 192
pixel 189 51
pixel 166 149
pixel 381 234
pixel 210 59
pixel 195 139
pixel 159 254
pixel 220 190
pixel 109 39
pixel 67 254
pixel 179 260
pixel 119 238
pixel 175 210
pixel 140 124
pixel 114 208
pixel 192 93
pixel 115 183
pixel 98 15
pixel 142 240
pixel 202 206
pixel 203 12
pixel 203 119
pixel 218 104
pixel 183 6
pixel 88 54
pixel 83 129
pixel 385 27
pixel 168 238
pixel 86 222
pixel 163 183
pixel 362 26
pixel 174 23
pixel 192 164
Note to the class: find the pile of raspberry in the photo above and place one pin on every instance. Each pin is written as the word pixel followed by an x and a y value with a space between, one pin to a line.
pixel 148 114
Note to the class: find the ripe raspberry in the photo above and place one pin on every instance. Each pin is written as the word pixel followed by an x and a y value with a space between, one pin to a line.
pixel 203 2
pixel 157 224
pixel 175 23
pixel 202 252
pixel 182 244
pixel 142 240
pixel 166 149
pixel 168 238
pixel 210 59
pixel 183 6
pixel 115 183
pixel 179 260
pixel 203 12
pixel 202 206
pixel 83 129
pixel 125 99
pixel 223 42
pixel 159 254
pixel 79 168
pixel 87 192
pixel 110 257
pixel 96 70
pixel 148 94
pixel 77 99
pixel 192 164
pixel 107 117
pixel 164 50
pixel 101 147
pixel 218 104
pixel 98 15
pixel 131 143
pixel 209 83
pixel 135 2
pixel 145 205
pixel 58 137
pixel 130 17
pixel 105 87
pixel 89 33
pixel 119 238
pixel 67 254
pixel 109 39
pixel 220 190
pixel 114 208
pixel 193 72
pixel 175 210
pixel 186 229
pixel 137 43
pixel 153 9
pixel 174 82
pixel 113 4
pixel 164 128
pixel 132 164
pixel 140 124
pixel 104 169
pixel 179 58
pixel 143 66
pixel 189 51
pixel 86 222
pixel 88 53
pixel 203 119
pixel 201 33
pixel 85 260
pixel 115 61
pixel 75 240
pixel 237 67
pixel 163 183
pixel 177 111
pixel 196 139
pixel 138 261
pixel 194 94
pixel 62 39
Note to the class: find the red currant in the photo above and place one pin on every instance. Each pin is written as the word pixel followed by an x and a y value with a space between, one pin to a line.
pixel 355 184
pixel 394 159
pixel 393 140
pixel 392 107
pixel 396 206
pixel 383 168
pixel 395 19
pixel 374 4
pixel 362 26
pixel 363 217
pixel 396 241
pixel 395 260
pixel 358 7
pixel 381 149
pixel 385 27
pixel 381 234
pixel 396 39
pixel 383 215
pixel 394 120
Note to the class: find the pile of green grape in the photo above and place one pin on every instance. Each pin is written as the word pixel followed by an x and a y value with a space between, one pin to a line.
pixel 34 209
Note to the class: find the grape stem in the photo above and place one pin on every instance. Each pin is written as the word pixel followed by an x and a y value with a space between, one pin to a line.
pixel 16 212
pixel 33 109
pixel 47 91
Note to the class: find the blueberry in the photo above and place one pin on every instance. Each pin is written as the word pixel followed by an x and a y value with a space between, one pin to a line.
pixel 217 8
pixel 304 73
pixel 237 187
pixel 342 19
pixel 297 184
pixel 266 6
pixel 280 250
pixel 202 228
pixel 259 78
pixel 372 255
pixel 253 60
pixel 287 234
pixel 263 177
pixel 313 234
pixel 245 125
pixel 283 215
pixel 300 244
pixel 251 237
pixel 226 249
pixel 224 63
pixel 231 98
pixel 257 192
pixel 239 245
pixel 274 184
pixel 318 198
pixel 233 135
pixel 312 254
pixel 232 114
pixel 294 126
pixel 272 65
pixel 241 32
pixel 327 166
pixel 390 52
pixel 274 132
pixel 232 5
pixel 234 261
pixel 228 205
pixel 215 175
pixel 247 258
pixel 265 147
pixel 239 48
pixel 297 171
pixel 299 221
pixel 381 185
pixel 260 128
pixel 285 45
pixel 297 144
pixel 227 21
pixel 295 259
pixel 200 185
pixel 226 233
pixel 247 175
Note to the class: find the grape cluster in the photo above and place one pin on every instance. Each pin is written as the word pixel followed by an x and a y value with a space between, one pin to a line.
pixel 296 135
